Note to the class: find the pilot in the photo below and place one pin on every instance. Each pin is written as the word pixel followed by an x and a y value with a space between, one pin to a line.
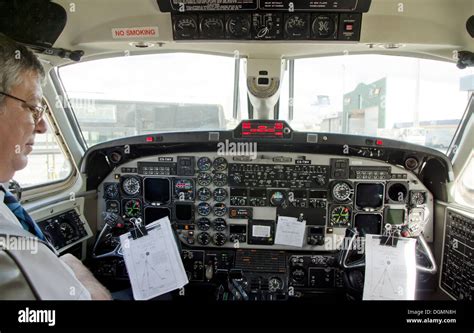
pixel 21 119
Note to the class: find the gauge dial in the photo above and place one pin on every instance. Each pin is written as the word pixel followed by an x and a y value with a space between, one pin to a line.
pixel 220 179
pixel 275 284
pixel 185 27
pixel 66 230
pixel 297 26
pixel 238 26
pixel 204 164
pixel 277 198
pixel 219 194
pixel 203 224
pixel 219 209
pixel 266 25
pixel 340 216
pixel 219 239
pixel 112 207
pixel 131 186
pixel 184 189
pixel 324 26
pixel 204 209
pixel 219 224
pixel 212 27
pixel 220 164
pixel 204 194
pixel 204 238
pixel 342 191
pixel 111 191
pixel 132 208
pixel 204 179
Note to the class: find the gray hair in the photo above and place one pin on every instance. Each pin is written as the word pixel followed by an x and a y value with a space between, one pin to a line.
pixel 16 59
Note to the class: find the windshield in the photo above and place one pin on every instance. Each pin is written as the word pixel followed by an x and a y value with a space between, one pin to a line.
pixel 408 99
pixel 132 95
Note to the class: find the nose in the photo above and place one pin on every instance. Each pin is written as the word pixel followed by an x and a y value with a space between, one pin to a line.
pixel 41 127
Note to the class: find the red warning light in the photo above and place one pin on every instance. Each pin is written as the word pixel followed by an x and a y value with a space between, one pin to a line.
pixel 379 142
pixel 149 139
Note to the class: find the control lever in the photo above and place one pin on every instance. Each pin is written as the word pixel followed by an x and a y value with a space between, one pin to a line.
pixel 345 251
pixel 236 278
pixel 111 220
pixel 429 255
pixel 353 233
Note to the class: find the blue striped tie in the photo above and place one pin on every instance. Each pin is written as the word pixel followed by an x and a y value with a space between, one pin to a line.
pixel 22 215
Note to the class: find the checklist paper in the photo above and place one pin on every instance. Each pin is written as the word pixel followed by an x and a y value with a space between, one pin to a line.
pixel 290 231
pixel 153 261
pixel 390 271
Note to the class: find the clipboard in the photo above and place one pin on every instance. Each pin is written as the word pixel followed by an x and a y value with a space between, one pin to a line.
pixel 139 230
pixel 389 238
pixel 153 259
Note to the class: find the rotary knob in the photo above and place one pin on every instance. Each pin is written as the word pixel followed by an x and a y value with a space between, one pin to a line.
pixel 236 179
pixel 320 180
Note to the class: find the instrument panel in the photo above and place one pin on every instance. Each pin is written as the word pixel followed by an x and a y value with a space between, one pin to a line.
pixel 267 26
pixel 219 201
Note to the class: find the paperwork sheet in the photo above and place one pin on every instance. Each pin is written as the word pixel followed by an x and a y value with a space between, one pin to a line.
pixel 390 271
pixel 290 231
pixel 153 261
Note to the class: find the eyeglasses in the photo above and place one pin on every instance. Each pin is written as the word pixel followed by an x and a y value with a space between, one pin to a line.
pixel 37 110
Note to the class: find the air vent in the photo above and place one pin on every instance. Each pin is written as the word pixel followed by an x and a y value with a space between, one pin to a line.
pixel 261 261
pixel 411 163
pixel 115 157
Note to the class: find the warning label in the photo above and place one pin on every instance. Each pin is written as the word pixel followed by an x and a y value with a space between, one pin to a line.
pixel 138 32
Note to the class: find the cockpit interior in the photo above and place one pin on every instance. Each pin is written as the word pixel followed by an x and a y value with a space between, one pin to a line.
pixel 277 139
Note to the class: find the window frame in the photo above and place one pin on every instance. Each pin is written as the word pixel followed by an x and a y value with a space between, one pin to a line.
pixel 57 185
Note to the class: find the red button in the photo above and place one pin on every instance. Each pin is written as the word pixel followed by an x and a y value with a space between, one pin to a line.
pixel 349 27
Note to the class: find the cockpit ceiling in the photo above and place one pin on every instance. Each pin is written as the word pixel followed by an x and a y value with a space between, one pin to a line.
pixel 430 28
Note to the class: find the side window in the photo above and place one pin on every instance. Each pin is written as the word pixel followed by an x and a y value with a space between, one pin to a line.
pixel 465 184
pixel 47 163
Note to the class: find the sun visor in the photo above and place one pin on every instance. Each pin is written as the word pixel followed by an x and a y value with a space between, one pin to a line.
pixel 33 22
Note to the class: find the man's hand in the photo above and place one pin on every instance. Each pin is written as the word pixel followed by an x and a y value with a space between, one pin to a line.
pixel 95 288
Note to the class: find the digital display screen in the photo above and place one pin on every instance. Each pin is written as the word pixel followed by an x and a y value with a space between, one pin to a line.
pixel 368 224
pixel 152 214
pixel 238 192
pixel 261 232
pixel 369 195
pixel 317 194
pixel 264 129
pixel 257 193
pixel 184 189
pixel 237 229
pixel 157 190
pixel 184 211
pixel 395 216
